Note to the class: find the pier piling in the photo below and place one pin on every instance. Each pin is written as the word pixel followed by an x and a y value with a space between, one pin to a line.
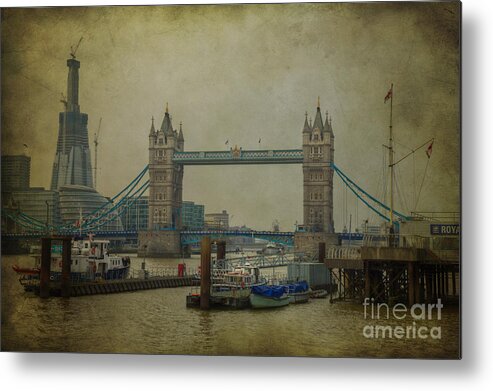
pixel 321 252
pixel 66 266
pixel 205 273
pixel 44 278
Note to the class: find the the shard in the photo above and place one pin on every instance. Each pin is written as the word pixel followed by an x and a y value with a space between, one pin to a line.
pixel 72 164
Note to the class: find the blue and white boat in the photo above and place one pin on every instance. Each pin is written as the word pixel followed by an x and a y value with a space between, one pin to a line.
pixel 268 296
pixel 298 292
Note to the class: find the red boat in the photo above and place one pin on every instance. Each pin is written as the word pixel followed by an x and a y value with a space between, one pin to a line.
pixel 25 270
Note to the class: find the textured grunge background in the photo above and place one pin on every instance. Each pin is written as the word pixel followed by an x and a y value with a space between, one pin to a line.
pixel 240 73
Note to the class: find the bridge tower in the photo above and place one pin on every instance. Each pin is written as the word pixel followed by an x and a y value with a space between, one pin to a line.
pixel 165 192
pixel 318 176
pixel 165 177
pixel 318 153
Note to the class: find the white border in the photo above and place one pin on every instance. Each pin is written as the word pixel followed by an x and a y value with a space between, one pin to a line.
pixel 131 372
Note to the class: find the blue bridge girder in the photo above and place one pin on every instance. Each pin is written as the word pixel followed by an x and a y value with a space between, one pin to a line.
pixel 187 237
pixel 191 237
pixel 239 156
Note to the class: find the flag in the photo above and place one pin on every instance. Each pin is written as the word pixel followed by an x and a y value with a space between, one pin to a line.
pixel 227 142
pixel 429 150
pixel 388 96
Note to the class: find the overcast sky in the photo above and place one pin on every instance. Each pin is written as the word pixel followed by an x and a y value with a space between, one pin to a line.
pixel 241 73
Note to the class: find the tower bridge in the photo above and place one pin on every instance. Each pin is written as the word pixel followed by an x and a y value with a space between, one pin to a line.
pixel 168 158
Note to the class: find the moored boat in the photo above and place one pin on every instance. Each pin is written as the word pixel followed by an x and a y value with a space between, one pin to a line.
pixel 268 296
pixel 298 292
pixel 90 260
pixel 318 294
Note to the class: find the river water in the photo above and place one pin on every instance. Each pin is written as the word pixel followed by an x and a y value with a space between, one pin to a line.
pixel 158 322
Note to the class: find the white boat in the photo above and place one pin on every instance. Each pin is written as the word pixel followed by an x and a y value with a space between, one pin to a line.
pixel 90 260
pixel 272 249
pixel 237 283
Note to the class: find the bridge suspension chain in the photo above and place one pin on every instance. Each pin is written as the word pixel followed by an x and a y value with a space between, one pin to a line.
pixel 357 190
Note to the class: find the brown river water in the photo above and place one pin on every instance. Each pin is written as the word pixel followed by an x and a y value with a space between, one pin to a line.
pixel 158 322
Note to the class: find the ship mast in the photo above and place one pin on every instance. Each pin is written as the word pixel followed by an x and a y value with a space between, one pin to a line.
pixel 391 159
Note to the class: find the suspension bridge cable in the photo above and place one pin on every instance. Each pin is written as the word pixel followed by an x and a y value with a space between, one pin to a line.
pixel 122 201
pixel 140 192
pixel 363 200
pixel 94 214
pixel 365 193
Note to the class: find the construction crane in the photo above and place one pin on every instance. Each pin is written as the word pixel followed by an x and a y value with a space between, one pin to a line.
pixel 74 50
pixel 96 142
pixel 275 225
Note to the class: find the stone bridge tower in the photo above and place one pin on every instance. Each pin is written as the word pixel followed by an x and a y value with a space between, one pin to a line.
pixel 318 176
pixel 165 192
pixel 165 177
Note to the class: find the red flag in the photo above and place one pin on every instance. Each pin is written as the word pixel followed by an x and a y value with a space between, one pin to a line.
pixel 429 150
pixel 388 96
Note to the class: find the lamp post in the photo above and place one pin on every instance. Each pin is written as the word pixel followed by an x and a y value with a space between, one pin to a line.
pixel 47 215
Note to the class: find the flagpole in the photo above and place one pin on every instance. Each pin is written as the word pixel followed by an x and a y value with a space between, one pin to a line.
pixel 391 160
pixel 80 221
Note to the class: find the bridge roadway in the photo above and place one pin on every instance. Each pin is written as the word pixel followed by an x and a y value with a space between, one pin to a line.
pixel 239 156
pixel 201 233
pixel 189 236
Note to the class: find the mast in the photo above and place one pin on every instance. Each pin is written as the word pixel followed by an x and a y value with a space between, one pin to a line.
pixel 391 160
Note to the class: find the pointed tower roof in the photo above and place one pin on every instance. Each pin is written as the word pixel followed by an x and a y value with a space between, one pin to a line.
pixel 180 135
pixel 166 125
pixel 153 129
pixel 318 123
pixel 306 127
pixel 328 124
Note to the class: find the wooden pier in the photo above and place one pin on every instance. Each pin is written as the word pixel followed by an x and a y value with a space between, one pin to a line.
pixel 387 274
pixel 119 286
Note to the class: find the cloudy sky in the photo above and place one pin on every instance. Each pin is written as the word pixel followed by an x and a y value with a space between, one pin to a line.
pixel 240 73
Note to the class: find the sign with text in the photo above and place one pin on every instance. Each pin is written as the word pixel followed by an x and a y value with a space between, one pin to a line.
pixel 445 229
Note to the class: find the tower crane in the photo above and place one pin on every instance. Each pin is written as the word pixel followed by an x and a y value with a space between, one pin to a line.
pixel 96 142
pixel 74 50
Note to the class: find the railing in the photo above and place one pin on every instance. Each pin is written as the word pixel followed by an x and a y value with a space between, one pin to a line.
pixel 260 261
pixel 162 271
pixel 445 217
pixel 342 252
pixel 239 156
pixel 435 244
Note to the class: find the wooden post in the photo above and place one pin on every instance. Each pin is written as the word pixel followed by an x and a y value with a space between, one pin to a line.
pixel 321 252
pixel 44 277
pixel 66 266
pixel 446 282
pixel 421 284
pixel 428 286
pixel 205 273
pixel 410 283
pixel 367 279
pixel 221 249
pixel 340 283
pixel 439 282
